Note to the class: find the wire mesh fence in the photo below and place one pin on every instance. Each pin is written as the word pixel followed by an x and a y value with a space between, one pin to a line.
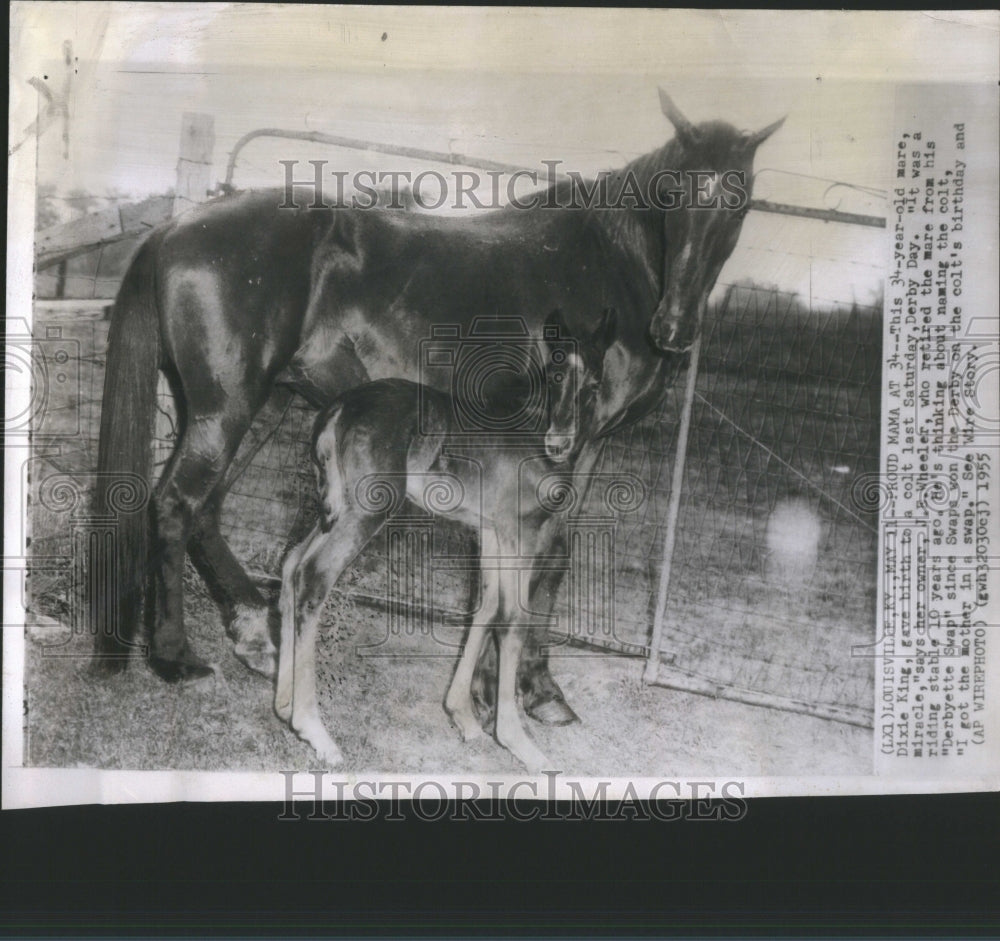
pixel 773 589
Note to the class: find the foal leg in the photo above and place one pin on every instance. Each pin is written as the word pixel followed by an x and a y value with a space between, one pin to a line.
pixel 284 687
pixel 509 731
pixel 543 699
pixel 317 571
pixel 243 607
pixel 458 702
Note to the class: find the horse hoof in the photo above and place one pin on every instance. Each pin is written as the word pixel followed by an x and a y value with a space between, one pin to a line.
pixel 260 657
pixel 283 704
pixel 331 756
pixel 174 671
pixel 102 668
pixel 254 646
pixel 534 764
pixel 552 712
pixel 324 746
pixel 467 726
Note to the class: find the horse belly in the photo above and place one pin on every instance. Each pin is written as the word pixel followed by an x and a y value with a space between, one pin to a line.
pixel 323 369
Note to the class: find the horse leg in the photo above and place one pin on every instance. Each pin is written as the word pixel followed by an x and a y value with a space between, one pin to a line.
pixel 509 730
pixel 459 701
pixel 316 572
pixel 302 595
pixel 243 607
pixel 245 611
pixel 203 453
pixel 542 698
pixel 284 687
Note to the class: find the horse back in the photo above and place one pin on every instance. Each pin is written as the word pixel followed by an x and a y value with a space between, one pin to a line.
pixel 386 283
pixel 233 280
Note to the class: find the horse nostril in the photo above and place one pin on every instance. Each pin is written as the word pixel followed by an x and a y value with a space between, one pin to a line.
pixel 664 332
pixel 558 451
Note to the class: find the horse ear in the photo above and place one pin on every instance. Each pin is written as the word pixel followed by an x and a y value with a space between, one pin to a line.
pixel 685 129
pixel 758 137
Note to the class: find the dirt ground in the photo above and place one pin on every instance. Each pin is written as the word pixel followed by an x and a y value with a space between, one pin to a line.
pixel 386 714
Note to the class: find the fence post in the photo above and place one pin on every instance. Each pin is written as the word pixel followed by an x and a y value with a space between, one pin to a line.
pixel 194 163
pixel 673 511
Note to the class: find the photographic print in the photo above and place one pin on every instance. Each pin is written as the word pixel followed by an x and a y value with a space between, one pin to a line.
pixel 598 403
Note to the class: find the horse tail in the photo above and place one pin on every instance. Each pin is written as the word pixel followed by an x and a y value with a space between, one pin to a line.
pixel 124 461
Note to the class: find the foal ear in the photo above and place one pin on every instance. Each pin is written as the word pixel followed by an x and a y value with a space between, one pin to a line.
pixel 555 326
pixel 607 329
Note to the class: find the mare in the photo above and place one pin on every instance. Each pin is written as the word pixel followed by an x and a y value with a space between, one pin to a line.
pixel 393 439
pixel 240 296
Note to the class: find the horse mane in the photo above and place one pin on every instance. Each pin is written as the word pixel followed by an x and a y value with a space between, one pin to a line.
pixel 641 232
pixel 638 233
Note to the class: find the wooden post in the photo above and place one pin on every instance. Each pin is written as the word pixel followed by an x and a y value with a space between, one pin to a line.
pixel 194 165
pixel 673 511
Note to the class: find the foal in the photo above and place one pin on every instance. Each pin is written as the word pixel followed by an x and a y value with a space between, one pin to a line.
pixel 392 439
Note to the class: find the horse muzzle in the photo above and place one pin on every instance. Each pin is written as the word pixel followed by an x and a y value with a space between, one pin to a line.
pixel 670 331
pixel 558 447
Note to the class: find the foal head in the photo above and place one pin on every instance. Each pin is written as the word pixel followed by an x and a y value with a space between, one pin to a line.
pixel 573 384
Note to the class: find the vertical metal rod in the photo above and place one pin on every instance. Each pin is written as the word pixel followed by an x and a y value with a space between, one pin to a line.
pixel 673 511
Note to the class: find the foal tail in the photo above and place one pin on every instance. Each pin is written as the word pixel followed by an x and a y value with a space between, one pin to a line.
pixel 117 572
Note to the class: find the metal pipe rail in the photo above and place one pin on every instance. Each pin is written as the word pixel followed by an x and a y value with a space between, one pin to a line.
pixel 465 160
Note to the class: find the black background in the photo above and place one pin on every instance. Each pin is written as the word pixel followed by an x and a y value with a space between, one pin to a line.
pixel 897 865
